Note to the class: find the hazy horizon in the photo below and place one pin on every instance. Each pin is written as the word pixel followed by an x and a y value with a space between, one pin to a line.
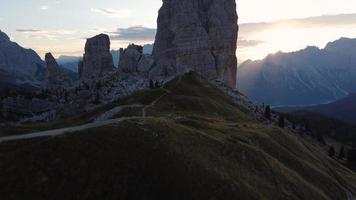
pixel 61 26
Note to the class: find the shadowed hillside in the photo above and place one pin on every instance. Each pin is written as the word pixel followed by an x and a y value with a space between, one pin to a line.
pixel 187 141
pixel 343 109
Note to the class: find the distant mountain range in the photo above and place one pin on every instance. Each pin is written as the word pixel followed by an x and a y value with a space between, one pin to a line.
pixel 307 77
pixel 23 69
pixel 343 109
pixel 69 62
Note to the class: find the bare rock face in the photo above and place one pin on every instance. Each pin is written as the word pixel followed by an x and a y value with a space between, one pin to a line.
pixel 56 76
pixel 199 35
pixel 132 59
pixel 145 64
pixel 97 59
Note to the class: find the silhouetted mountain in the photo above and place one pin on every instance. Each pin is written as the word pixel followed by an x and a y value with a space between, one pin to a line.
pixel 343 109
pixel 69 62
pixel 147 48
pixel 19 67
pixel 343 45
pixel 116 57
pixel 306 77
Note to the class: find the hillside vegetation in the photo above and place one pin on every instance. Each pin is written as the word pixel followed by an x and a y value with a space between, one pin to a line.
pixel 193 144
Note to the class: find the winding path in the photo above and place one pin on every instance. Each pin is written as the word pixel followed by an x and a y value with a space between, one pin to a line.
pixel 62 131
pixel 102 120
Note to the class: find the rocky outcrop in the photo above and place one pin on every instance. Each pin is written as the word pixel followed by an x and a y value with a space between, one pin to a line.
pixel 56 76
pixel 133 60
pixel 130 57
pixel 18 108
pixel 97 59
pixel 198 35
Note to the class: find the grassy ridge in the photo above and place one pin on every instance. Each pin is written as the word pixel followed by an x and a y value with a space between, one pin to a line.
pixel 195 145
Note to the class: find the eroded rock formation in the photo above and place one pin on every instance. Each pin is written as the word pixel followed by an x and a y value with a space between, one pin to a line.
pixel 56 76
pixel 97 59
pixel 198 35
pixel 132 59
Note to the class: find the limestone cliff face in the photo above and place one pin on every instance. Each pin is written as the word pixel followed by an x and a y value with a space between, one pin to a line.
pixel 97 59
pixel 132 59
pixel 198 35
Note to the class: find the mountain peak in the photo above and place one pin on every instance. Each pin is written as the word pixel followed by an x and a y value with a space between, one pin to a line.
pixel 3 36
pixel 342 45
pixel 312 48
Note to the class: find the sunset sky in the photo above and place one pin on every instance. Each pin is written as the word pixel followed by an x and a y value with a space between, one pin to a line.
pixel 61 26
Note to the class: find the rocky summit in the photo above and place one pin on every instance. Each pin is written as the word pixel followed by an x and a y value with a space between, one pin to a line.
pixel 132 59
pixel 198 35
pixel 56 76
pixel 97 59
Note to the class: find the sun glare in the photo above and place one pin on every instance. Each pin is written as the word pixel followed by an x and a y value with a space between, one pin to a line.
pixel 292 37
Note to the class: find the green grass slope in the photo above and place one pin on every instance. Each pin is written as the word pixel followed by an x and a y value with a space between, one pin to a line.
pixel 194 144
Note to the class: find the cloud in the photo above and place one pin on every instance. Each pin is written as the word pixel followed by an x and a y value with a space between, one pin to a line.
pixel 111 12
pixel 256 40
pixel 246 32
pixel 44 7
pixel 28 30
pixel 59 34
pixel 319 21
pixel 243 43
pixel 136 33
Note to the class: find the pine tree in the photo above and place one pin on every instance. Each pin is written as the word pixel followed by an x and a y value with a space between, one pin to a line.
pixel 156 84
pixel 307 126
pixel 151 84
pixel 98 85
pixel 97 100
pixel 331 152
pixel 281 121
pixel 342 153
pixel 351 156
pixel 268 113
pixel 294 126
pixel 320 138
pixel 6 92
